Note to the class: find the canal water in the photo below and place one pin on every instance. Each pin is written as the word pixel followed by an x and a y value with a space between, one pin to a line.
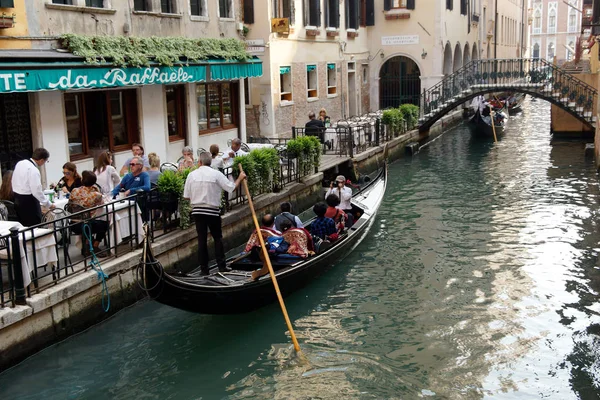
pixel 479 279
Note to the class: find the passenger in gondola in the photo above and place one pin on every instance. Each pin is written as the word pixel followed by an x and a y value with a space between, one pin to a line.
pixel 344 193
pixel 340 218
pixel 323 227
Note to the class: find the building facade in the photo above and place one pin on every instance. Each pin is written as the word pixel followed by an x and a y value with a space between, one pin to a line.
pixel 555 27
pixel 356 56
pixel 79 110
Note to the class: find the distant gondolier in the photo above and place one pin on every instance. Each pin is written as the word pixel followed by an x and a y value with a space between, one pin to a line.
pixel 203 188
pixel 27 187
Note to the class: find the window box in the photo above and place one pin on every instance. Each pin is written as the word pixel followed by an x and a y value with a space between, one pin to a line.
pixel 312 31
pixel 397 15
pixel 332 32
pixel 351 33
pixel 7 21
pixel 83 9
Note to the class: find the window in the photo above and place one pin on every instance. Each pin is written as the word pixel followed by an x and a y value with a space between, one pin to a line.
pixel 176 121
pixel 312 82
pixel 536 50
pixel 284 9
pixel 225 9
pixel 463 7
pixel 352 17
pixel 216 108
pixel 312 12
pixel 550 54
pixel 7 4
pixel 198 8
pixel 332 13
pixel 100 120
pixel 66 2
pixel 537 21
pixel 365 74
pixel 449 4
pixel 247 91
pixel 285 83
pixel 572 20
pixel 94 3
pixel 141 5
pixel 570 49
pixel 551 18
pixel 167 6
pixel 398 3
pixel 331 79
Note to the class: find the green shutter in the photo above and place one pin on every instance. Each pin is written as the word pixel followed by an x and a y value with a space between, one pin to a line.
pixel 330 66
pixel 7 4
pixel 284 70
pixel 310 68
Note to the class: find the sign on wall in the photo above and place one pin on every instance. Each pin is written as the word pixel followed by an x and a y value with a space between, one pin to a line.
pixel 399 40
pixel 85 78
pixel 280 25
pixel 255 46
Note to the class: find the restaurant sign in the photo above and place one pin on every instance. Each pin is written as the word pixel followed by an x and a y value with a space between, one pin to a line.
pixel 34 80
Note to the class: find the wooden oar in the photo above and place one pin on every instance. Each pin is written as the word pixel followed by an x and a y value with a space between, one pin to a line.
pixel 492 113
pixel 267 260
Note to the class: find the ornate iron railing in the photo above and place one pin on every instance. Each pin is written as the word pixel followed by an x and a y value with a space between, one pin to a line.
pixel 534 76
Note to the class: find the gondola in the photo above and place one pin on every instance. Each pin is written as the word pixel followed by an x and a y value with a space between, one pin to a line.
pixel 481 122
pixel 514 102
pixel 235 292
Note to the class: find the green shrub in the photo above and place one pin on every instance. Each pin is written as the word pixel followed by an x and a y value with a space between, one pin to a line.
pixel 170 182
pixel 266 162
pixel 307 149
pixel 250 169
pixel 410 113
pixel 394 119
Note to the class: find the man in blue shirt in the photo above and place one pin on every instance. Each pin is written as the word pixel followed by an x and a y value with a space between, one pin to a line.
pixel 322 226
pixel 135 180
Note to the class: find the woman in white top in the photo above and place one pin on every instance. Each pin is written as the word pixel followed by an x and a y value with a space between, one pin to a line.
pixel 107 176
pixel 217 161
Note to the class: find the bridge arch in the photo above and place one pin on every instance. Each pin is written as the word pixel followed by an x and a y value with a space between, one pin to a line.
pixel 399 81
pixel 466 54
pixel 457 58
pixel 448 59
pixel 534 76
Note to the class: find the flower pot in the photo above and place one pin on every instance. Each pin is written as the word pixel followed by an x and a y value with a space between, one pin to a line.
pixel 169 201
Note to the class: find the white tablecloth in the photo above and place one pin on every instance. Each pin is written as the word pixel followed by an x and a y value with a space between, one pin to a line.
pixel 122 217
pixel 253 146
pixel 45 250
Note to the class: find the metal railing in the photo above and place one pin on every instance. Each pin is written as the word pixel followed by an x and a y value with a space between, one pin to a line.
pixel 56 249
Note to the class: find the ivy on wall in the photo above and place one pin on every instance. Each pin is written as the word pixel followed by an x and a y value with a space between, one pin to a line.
pixel 126 51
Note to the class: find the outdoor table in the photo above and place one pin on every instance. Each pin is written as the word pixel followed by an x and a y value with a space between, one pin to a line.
pixel 45 248
pixel 253 146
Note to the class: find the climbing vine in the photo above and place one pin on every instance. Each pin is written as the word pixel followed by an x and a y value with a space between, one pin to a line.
pixel 140 51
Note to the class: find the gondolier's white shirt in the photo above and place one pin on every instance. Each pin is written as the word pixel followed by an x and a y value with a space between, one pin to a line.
pixel 344 194
pixel 203 187
pixel 27 179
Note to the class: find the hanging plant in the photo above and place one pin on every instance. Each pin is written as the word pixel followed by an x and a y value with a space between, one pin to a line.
pixel 140 51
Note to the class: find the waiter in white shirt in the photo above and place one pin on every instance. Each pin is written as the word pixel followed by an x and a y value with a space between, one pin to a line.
pixel 233 152
pixel 27 187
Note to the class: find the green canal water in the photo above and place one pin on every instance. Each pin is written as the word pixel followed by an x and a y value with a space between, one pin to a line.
pixel 479 279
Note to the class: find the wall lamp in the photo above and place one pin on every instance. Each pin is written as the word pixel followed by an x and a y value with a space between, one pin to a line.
pixel 423 54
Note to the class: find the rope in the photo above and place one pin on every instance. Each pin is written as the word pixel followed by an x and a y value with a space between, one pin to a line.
pixel 95 264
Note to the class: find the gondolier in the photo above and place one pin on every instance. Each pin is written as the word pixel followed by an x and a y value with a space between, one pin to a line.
pixel 27 187
pixel 203 188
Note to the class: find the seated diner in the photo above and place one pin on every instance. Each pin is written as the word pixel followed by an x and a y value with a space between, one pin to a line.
pixel 136 180
pixel 88 196
pixel 70 179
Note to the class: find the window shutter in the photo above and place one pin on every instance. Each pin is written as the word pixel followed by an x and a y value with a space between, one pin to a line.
pixel 387 5
pixel 333 15
pixel 93 3
pixel 449 4
pixel 410 4
pixel 370 18
pixel 249 11
pixel 7 4
pixel 315 13
pixel 353 13
pixel 463 7
pixel 195 7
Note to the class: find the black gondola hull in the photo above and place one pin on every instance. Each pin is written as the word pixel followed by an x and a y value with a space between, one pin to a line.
pixel 233 299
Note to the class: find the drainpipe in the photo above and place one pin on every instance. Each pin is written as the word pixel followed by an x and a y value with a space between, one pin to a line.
pixel 495 29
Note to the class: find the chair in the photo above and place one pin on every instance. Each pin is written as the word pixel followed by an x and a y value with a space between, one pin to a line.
pixel 77 220
pixel 168 166
pixel 3 212
pixel 200 151
pixel 58 221
pixel 12 211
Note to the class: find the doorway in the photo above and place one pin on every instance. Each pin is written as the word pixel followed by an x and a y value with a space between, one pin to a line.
pixel 15 129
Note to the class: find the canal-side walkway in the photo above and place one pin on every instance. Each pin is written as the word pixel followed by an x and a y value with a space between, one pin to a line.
pixel 75 303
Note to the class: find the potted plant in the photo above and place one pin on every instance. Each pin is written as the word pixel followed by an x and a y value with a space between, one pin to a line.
pixel 170 189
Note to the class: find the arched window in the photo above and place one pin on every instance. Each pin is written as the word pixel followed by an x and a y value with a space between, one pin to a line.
pixel 536 50
pixel 570 54
pixel 537 21
pixel 552 21
pixel 572 20
pixel 550 54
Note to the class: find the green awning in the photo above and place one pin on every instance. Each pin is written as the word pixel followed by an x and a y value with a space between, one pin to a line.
pixel 238 70
pixel 330 66
pixel 284 70
pixel 310 68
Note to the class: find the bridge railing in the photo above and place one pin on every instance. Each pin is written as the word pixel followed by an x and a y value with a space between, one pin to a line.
pixel 535 74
